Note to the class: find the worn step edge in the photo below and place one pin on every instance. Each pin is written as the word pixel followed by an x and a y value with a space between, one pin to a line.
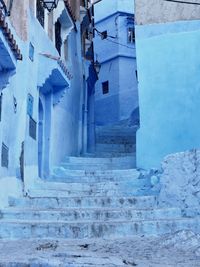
pixel 89 222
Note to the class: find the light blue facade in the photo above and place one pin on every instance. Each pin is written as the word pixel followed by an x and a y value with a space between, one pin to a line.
pixel 57 91
pixel 168 63
pixel 118 62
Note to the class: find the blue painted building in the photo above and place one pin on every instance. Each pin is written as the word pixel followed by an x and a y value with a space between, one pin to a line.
pixel 116 97
pixel 45 73
pixel 167 44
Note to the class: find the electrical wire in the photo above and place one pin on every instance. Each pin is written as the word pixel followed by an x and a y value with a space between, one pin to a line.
pixel 120 44
pixel 100 34
pixel 183 2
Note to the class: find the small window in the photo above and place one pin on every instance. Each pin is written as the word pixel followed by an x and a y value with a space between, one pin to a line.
pixel 4 155
pixel 31 51
pixel 32 128
pixel 58 39
pixel 30 100
pixel 131 35
pixel 105 87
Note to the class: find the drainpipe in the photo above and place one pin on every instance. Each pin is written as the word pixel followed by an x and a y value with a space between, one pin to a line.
pixel 84 122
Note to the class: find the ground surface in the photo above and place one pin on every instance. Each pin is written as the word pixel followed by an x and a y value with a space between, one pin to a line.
pixel 179 249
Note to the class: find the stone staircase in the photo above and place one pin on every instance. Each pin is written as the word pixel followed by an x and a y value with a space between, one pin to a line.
pixel 116 140
pixel 92 198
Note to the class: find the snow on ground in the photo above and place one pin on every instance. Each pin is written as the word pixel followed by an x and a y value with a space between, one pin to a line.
pixel 179 249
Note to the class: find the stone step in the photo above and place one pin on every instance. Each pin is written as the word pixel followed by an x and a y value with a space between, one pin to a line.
pixel 18 229
pixel 131 187
pixel 96 187
pixel 120 148
pixel 110 139
pixel 140 202
pixel 99 166
pixel 109 160
pixel 104 130
pixel 92 214
pixel 101 193
pixel 115 129
pixel 111 154
pixel 61 174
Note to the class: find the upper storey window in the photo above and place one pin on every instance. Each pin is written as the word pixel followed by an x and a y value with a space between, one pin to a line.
pixel 131 35
pixel 40 12
pixel 105 87
pixel 58 39
pixel 84 3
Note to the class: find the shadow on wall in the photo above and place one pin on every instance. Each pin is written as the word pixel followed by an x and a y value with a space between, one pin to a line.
pixel 134 119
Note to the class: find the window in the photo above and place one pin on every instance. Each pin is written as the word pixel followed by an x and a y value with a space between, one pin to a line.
pixel 32 128
pixel 30 105
pixel 105 87
pixel 4 155
pixel 40 12
pixel 84 3
pixel 31 51
pixel 58 39
pixel 131 35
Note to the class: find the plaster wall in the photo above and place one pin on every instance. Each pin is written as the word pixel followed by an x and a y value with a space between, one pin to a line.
pixel 169 101
pixel 117 58
pixel 159 11
pixel 14 126
pixel 128 94
pixel 67 112
pixel 112 6
pixel 107 105
pixel 20 25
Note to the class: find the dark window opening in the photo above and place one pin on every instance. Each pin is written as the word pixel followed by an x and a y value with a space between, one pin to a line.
pixel 40 12
pixel 4 155
pixel 32 128
pixel 58 39
pixel 131 35
pixel 31 51
pixel 105 87
pixel 84 3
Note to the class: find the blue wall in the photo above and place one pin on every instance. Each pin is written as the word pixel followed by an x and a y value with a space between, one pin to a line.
pixel 118 64
pixel 168 60
pixel 65 122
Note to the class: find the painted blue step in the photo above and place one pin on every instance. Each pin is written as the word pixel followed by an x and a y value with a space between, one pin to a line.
pixel 92 160
pixel 61 174
pixel 20 229
pixel 99 166
pixel 93 214
pixel 140 202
